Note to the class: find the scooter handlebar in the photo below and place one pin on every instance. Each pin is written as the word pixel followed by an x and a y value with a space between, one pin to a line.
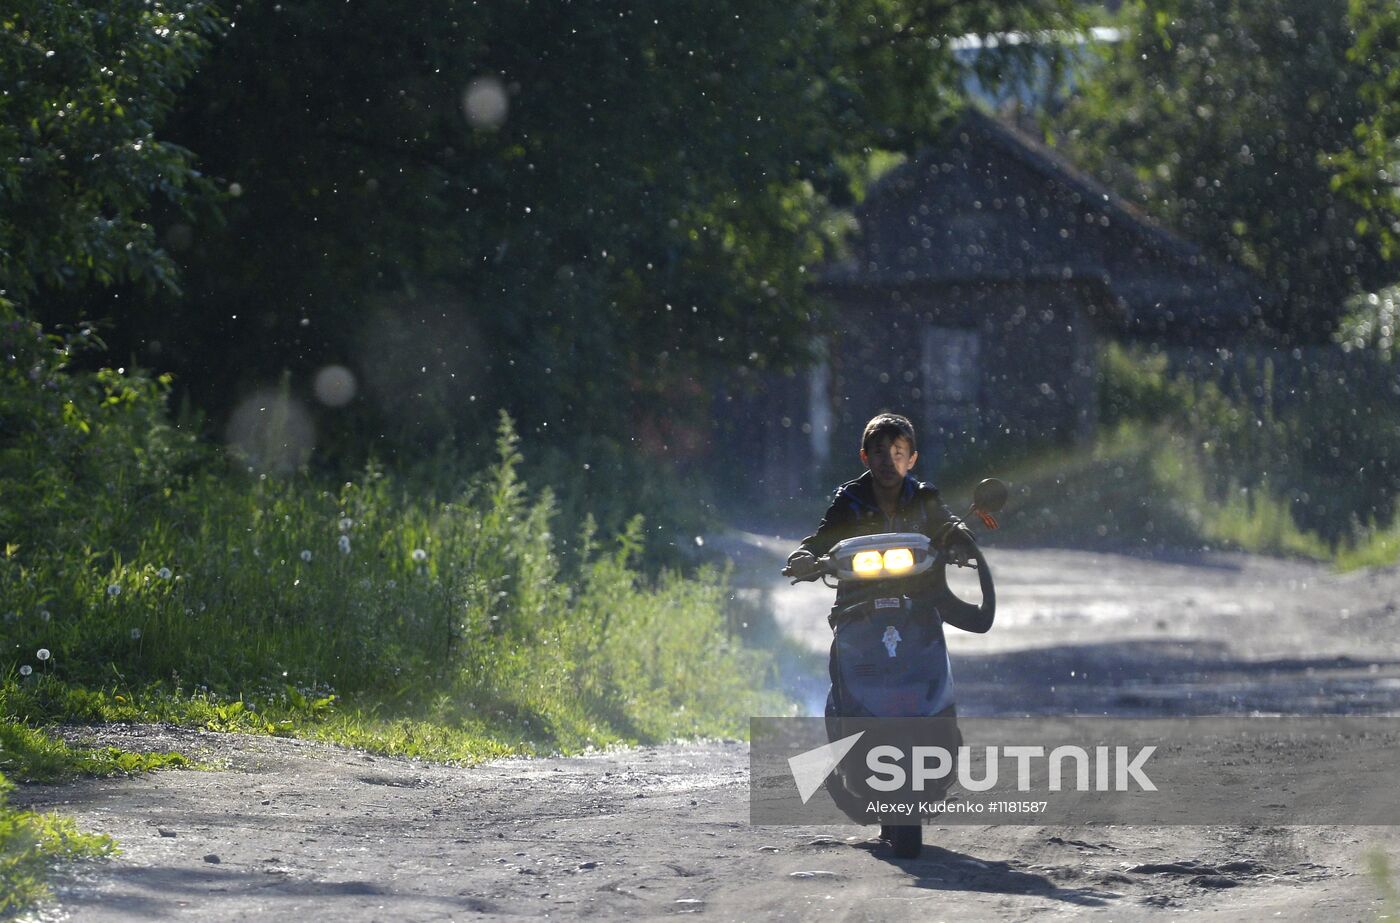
pixel 807 572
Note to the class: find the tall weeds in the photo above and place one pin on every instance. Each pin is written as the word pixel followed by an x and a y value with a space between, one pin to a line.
pixel 1228 455
pixel 133 556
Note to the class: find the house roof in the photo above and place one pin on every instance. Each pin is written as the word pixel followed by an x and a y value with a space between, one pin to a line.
pixel 987 204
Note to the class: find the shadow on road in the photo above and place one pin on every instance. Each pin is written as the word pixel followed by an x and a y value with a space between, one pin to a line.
pixel 1179 678
pixel 154 892
pixel 939 869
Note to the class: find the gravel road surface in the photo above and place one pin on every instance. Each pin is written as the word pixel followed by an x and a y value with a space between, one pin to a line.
pixel 294 829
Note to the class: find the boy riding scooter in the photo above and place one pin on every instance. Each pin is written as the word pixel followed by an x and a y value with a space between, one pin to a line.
pixel 888 655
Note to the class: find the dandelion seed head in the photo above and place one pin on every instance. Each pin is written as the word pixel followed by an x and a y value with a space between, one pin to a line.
pixel 42 653
pixel 25 670
pixel 114 590
pixel 164 573
pixel 345 544
pixel 391 584
pixel 419 555
pixel 45 615
pixel 346 523
pixel 306 554
pixel 136 634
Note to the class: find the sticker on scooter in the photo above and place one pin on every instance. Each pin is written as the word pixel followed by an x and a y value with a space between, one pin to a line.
pixel 887 602
pixel 891 639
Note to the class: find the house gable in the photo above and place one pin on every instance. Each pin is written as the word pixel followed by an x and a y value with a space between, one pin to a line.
pixel 988 205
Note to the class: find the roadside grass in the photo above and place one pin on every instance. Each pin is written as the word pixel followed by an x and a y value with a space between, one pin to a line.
pixel 1380 548
pixel 1140 488
pixel 27 754
pixel 1378 865
pixel 283 598
pixel 147 577
pixel 1210 459
pixel 30 843
pixel 439 630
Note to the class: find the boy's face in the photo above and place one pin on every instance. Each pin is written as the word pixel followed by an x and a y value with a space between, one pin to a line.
pixel 889 459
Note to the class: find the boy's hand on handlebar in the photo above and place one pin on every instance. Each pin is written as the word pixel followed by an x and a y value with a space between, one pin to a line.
pixel 802 566
pixel 959 545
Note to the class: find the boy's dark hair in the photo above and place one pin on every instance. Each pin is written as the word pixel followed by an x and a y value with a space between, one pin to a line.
pixel 888 424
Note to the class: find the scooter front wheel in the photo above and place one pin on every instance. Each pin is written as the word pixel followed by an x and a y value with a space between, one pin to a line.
pixel 907 840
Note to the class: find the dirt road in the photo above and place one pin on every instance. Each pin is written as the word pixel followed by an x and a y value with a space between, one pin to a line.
pixel 294 828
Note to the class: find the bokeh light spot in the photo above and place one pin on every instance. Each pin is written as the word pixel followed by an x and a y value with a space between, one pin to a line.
pixel 334 386
pixel 272 431
pixel 485 103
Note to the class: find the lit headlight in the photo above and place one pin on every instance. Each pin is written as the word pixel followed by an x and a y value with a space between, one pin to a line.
pixel 899 560
pixel 867 563
pixel 886 555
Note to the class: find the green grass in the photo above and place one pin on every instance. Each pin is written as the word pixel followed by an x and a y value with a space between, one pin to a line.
pixel 1378 865
pixel 465 612
pixel 27 754
pixel 1376 548
pixel 1210 459
pixel 1143 488
pixel 30 843
pixel 147 577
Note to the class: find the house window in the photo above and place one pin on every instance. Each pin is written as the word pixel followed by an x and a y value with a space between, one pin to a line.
pixel 949 365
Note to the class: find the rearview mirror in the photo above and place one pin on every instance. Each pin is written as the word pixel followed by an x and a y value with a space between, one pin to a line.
pixel 990 495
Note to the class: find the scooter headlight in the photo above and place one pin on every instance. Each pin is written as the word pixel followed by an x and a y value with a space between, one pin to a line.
pixel 867 563
pixel 887 555
pixel 898 561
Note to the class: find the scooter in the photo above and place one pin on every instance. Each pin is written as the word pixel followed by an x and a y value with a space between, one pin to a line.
pixel 889 658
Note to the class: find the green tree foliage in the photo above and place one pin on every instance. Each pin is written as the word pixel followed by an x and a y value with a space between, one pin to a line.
pixel 641 205
pixel 1367 171
pixel 1216 115
pixel 69 437
pixel 83 89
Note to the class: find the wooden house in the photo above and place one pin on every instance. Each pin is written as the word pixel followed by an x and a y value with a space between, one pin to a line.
pixel 985 273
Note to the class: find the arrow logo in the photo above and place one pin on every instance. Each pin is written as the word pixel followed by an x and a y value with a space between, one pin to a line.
pixel 810 769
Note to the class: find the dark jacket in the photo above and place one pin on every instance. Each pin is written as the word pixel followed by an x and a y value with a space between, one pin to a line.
pixel 855 511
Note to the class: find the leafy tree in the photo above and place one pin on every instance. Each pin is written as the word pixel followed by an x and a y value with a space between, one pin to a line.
pixel 1367 170
pixel 84 87
pixel 574 211
pixel 1217 116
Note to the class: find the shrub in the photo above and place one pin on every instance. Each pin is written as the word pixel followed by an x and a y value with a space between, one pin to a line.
pixel 132 555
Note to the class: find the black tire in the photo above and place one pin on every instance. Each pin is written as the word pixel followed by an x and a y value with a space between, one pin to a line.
pixel 908 841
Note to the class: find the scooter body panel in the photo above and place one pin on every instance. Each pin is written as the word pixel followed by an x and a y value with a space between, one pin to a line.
pixel 889 659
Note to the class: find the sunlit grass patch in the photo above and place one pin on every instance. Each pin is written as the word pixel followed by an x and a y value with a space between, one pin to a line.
pixel 29 754
pixel 1375 548
pixel 1378 865
pixel 422 723
pixel 30 843
pixel 1142 487
pixel 370 614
